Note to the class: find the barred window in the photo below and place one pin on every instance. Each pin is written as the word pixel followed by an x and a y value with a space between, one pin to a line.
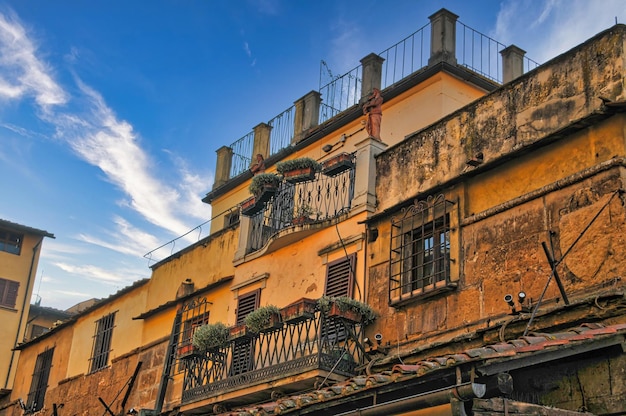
pixel 8 292
pixel 11 242
pixel 39 382
pixel 420 250
pixel 102 342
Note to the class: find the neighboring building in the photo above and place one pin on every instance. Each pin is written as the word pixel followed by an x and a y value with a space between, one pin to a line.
pixel 19 255
pixel 485 228
pixel 42 319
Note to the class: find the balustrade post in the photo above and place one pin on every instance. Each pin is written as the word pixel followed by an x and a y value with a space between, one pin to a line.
pixel 223 165
pixel 307 115
pixel 261 143
pixel 443 37
pixel 365 174
pixel 372 73
pixel 512 63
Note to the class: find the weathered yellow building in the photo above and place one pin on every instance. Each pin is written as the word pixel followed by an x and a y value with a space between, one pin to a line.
pixel 484 229
pixel 19 255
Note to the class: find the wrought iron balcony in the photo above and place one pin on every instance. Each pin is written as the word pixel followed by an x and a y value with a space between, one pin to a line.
pixel 326 197
pixel 304 350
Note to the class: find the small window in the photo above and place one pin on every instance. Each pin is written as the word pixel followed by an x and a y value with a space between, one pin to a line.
pixel 420 250
pixel 39 382
pixel 11 242
pixel 102 342
pixel 231 219
pixel 339 276
pixel 37 330
pixel 8 293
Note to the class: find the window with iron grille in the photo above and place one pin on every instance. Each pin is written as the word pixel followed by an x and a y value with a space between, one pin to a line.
pixel 8 292
pixel 420 250
pixel 39 382
pixel 102 342
pixel 11 242
pixel 242 349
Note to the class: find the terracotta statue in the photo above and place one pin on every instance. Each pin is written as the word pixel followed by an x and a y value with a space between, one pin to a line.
pixel 259 165
pixel 372 108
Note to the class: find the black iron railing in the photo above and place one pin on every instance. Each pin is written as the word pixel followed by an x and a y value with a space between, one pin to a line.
pixel 317 342
pixel 324 198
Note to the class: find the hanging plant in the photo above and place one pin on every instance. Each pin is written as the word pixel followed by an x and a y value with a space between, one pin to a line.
pixel 262 181
pixel 263 318
pixel 345 307
pixel 298 170
pixel 210 336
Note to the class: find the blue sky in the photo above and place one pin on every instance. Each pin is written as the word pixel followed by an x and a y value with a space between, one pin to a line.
pixel 111 111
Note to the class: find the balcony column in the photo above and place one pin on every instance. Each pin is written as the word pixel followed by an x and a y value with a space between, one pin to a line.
pixel 261 143
pixel 443 37
pixel 365 174
pixel 244 235
pixel 222 167
pixel 307 115
pixel 372 73
pixel 512 63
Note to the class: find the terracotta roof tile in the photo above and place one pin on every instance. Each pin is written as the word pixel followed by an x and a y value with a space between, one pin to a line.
pixel 401 372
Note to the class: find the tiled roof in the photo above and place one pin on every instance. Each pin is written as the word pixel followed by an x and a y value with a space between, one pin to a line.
pixel 500 352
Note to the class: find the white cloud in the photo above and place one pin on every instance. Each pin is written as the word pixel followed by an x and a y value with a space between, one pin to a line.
pixel 547 28
pixel 99 274
pixel 125 239
pixel 23 73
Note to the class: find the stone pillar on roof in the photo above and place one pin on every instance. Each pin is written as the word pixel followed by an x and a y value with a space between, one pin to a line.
pixel 222 167
pixel 261 143
pixel 372 73
pixel 512 63
pixel 365 174
pixel 307 115
pixel 443 37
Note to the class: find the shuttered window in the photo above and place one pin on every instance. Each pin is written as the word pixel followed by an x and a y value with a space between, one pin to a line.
pixel 8 292
pixel 339 276
pixel 39 383
pixel 242 350
pixel 102 342
pixel 246 304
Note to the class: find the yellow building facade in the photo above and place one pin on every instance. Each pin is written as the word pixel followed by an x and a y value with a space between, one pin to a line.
pixel 479 238
pixel 20 247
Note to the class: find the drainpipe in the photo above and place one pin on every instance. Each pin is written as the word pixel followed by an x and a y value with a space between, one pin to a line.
pixel 462 392
pixel 19 325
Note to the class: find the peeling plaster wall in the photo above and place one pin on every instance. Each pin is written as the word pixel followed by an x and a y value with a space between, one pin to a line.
pixel 542 177
pixel 522 113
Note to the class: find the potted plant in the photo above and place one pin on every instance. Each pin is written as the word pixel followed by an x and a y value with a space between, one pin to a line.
pixel 337 164
pixel 347 309
pixel 298 311
pixel 298 170
pixel 249 207
pixel 210 336
pixel 264 319
pixel 240 331
pixel 263 186
pixel 303 214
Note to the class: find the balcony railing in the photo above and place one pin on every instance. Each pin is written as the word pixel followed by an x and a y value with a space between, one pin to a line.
pixel 313 342
pixel 324 198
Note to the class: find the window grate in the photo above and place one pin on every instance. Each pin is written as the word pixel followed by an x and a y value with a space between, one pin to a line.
pixel 102 342
pixel 420 249
pixel 39 382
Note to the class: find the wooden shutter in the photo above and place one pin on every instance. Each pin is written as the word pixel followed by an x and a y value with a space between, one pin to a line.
pixel 8 292
pixel 340 276
pixel 247 303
